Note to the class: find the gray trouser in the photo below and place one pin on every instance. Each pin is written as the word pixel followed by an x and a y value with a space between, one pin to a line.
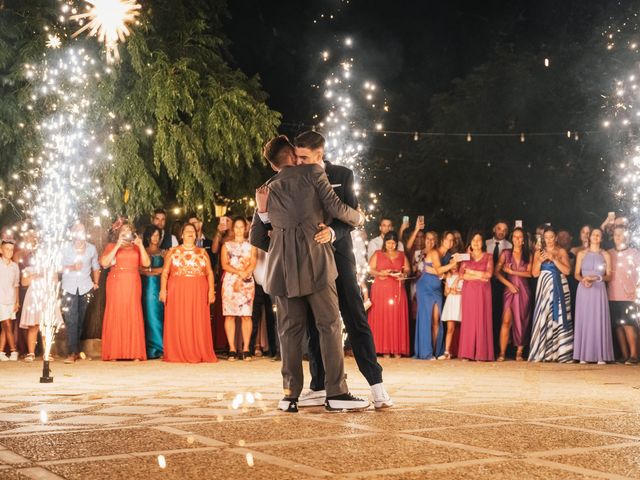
pixel 292 321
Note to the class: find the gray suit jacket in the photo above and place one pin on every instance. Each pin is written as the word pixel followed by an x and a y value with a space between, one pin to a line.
pixel 299 199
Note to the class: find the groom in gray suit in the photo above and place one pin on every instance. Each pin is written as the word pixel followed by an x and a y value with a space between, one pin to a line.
pixel 301 272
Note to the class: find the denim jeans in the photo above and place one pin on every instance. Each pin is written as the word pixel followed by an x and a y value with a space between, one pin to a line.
pixel 74 309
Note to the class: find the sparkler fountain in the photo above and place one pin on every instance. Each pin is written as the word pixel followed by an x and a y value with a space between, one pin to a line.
pixel 60 186
pixel 353 106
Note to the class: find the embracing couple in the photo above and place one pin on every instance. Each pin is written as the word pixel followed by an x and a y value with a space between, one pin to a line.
pixel 305 213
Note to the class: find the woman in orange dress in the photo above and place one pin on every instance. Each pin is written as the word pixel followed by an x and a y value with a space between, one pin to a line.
pixel 123 325
pixel 187 290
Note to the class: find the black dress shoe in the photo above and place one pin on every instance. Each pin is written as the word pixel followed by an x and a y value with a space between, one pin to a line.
pixel 288 405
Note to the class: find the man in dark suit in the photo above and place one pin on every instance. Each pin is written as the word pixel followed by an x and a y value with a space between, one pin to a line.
pixel 310 150
pixel 301 272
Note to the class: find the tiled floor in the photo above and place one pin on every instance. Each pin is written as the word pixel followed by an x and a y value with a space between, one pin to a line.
pixel 452 420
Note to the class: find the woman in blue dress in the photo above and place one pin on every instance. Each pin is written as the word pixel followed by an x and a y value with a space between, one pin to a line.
pixel 152 308
pixel 429 340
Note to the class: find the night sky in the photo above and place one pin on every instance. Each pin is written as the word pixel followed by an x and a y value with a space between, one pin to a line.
pixel 411 48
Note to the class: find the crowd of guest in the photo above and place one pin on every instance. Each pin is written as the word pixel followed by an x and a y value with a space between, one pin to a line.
pixel 176 295
pixel 531 297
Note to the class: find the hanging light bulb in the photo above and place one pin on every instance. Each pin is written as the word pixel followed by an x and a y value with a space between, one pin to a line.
pixel 468 137
pixel 522 137
pixel 568 133
pixel 416 136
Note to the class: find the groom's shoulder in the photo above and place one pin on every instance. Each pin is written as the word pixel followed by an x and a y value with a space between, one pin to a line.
pixel 337 170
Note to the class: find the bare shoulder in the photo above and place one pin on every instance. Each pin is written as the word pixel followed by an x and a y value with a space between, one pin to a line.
pixel 606 255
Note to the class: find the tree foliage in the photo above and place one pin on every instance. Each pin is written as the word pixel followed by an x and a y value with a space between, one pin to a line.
pixel 188 125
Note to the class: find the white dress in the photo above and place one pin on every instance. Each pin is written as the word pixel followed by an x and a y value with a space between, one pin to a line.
pixel 32 308
pixel 452 311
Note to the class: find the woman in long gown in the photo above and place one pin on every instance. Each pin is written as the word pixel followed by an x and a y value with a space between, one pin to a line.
pixel 388 315
pixel 187 290
pixel 552 329
pixel 429 338
pixel 514 271
pixel 593 340
pixel 152 307
pixel 123 324
pixel 476 329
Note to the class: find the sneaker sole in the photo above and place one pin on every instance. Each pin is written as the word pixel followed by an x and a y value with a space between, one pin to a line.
pixel 312 403
pixel 382 405
pixel 346 409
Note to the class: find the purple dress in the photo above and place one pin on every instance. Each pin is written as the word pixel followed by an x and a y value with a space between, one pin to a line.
pixel 592 337
pixel 519 303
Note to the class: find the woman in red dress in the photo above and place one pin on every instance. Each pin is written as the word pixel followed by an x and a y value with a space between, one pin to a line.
pixel 123 325
pixel 388 316
pixel 476 329
pixel 187 290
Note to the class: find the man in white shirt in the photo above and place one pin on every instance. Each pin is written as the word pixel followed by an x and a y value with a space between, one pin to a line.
pixel 498 242
pixel 375 244
pixel 159 219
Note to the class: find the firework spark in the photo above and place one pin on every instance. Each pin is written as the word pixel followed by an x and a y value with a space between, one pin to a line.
pixel 108 21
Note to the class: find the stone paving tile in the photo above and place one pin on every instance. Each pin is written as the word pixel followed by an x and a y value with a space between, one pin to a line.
pixel 367 453
pixel 58 407
pixel 166 401
pixel 132 410
pixel 527 410
pixel 500 470
pixel 247 432
pixel 57 446
pixel 168 419
pixel 624 423
pixel 94 420
pixel 520 437
pixel 395 420
pixel 19 417
pixel 622 461
pixel 198 465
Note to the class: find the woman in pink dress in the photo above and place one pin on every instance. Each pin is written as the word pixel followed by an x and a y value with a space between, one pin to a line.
pixel 514 271
pixel 476 330
pixel 388 316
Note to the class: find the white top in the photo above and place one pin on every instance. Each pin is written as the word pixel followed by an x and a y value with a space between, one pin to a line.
pixel 452 279
pixel 375 244
pixel 261 266
pixel 9 280
pixel 504 244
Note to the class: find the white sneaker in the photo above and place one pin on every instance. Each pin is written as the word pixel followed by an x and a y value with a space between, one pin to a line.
pixel 381 398
pixel 312 398
pixel 346 402
pixel 13 357
pixel 3 357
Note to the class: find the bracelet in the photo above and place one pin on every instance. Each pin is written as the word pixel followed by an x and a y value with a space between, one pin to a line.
pixel 599 278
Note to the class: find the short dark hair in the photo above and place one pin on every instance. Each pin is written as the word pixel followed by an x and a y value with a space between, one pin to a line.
pixel 472 234
pixel 309 139
pixel 159 211
pixel 148 233
pixel 390 235
pixel 277 151
pixel 186 225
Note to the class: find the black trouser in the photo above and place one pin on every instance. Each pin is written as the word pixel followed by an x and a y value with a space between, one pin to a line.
pixel 260 301
pixel 355 321
pixel 497 290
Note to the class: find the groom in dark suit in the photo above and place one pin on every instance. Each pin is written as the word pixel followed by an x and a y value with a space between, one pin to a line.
pixel 310 150
pixel 301 272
